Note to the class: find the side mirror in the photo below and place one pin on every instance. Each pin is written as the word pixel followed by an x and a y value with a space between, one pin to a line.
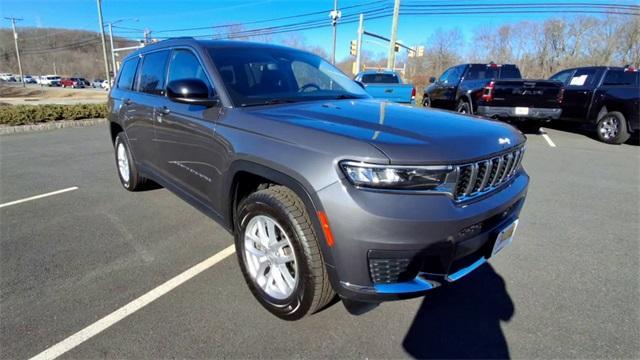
pixel 432 79
pixel 359 83
pixel 191 91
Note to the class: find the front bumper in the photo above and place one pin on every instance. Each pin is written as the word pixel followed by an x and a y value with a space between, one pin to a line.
pixel 393 246
pixel 508 112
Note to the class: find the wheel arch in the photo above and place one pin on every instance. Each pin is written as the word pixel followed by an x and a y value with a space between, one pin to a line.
pixel 467 98
pixel 256 174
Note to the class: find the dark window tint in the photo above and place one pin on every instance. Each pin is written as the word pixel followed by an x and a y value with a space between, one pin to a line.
pixel 620 77
pixel 185 65
pixel 481 72
pixel 380 79
pixel 152 73
pixel 127 74
pixel 583 78
pixel 562 76
pixel 510 72
pixel 445 75
pixel 455 75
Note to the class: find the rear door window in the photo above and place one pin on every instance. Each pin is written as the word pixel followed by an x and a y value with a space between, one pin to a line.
pixel 127 74
pixel 620 78
pixel 152 73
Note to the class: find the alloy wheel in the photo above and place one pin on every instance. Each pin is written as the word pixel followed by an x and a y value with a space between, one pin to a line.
pixel 123 162
pixel 609 127
pixel 269 257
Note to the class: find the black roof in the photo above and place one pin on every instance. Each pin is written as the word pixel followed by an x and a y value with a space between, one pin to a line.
pixel 206 44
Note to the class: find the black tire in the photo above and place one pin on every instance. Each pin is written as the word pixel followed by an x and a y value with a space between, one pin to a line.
pixel 426 101
pixel 463 107
pixel 135 181
pixel 612 128
pixel 312 289
pixel 529 127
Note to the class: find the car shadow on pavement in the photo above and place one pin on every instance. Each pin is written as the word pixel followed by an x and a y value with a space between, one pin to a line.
pixel 586 130
pixel 462 321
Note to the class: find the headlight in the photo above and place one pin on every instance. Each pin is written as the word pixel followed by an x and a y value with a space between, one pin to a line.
pixel 433 178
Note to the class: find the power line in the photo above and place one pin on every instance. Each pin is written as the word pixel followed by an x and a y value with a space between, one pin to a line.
pixel 269 20
pixel 63 47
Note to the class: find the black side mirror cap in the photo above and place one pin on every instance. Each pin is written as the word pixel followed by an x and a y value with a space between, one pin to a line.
pixel 191 91
pixel 432 79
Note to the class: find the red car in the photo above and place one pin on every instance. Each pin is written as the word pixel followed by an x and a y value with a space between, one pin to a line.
pixel 72 82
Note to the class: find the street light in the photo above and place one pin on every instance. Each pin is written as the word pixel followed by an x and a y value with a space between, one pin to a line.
pixel 113 53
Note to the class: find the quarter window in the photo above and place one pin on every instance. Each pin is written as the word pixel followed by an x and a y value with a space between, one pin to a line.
pixel 127 74
pixel 152 73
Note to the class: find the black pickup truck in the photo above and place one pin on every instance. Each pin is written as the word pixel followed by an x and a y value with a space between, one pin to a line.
pixel 495 91
pixel 607 97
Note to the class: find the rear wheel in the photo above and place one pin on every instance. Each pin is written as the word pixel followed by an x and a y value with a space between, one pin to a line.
pixel 127 170
pixel 279 254
pixel 426 101
pixel 612 128
pixel 463 107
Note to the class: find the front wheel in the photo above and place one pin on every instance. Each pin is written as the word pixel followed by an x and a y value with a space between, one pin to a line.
pixel 612 128
pixel 279 254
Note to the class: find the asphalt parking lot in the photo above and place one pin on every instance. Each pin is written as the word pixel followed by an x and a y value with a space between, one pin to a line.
pixel 567 287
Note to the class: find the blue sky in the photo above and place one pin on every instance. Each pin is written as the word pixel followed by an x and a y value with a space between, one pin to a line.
pixel 165 14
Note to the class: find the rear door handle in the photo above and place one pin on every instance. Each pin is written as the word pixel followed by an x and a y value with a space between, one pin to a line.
pixel 163 110
pixel 127 102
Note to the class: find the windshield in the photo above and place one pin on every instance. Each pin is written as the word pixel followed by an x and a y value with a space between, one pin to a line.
pixel 260 76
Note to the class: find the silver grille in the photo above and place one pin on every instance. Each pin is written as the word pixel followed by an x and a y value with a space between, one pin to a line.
pixel 481 177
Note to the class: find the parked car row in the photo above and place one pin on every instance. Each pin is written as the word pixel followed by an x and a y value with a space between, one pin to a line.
pixel 607 97
pixel 56 80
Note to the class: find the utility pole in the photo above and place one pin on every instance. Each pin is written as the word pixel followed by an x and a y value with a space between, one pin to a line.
pixel 391 60
pixel 15 39
pixel 113 53
pixel 147 35
pixel 104 43
pixel 359 49
pixel 334 15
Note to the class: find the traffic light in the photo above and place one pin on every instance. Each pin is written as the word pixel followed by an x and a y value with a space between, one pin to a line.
pixel 420 51
pixel 354 48
pixel 397 48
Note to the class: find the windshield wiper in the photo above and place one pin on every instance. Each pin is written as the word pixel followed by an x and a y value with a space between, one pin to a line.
pixel 347 96
pixel 269 102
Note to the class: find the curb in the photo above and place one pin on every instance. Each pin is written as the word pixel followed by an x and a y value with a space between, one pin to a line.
pixel 50 126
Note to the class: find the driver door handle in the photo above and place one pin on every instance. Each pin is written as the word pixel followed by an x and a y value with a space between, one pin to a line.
pixel 127 102
pixel 163 110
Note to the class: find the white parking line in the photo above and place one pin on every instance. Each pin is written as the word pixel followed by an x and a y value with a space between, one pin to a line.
pixel 130 308
pixel 38 196
pixel 546 137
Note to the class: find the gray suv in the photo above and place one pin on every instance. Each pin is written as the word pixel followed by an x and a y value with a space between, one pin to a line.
pixel 326 190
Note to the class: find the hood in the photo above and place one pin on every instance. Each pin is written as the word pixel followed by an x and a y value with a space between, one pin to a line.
pixel 405 134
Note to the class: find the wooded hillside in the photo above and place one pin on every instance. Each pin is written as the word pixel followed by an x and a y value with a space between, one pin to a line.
pixel 46 50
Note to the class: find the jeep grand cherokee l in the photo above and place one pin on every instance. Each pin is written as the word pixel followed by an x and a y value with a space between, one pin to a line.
pixel 326 190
